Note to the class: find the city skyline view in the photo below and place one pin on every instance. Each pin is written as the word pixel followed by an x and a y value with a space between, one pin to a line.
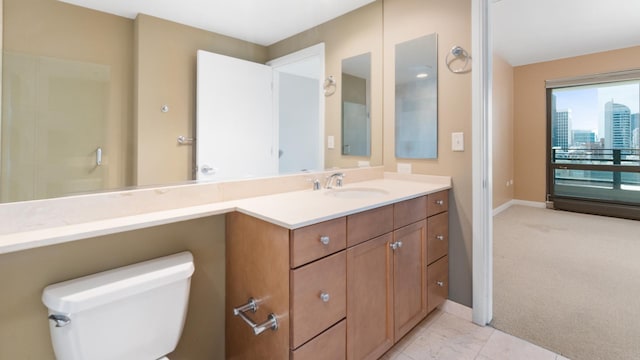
pixel 587 103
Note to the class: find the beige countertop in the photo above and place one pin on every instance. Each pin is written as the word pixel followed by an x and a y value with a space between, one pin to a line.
pixel 296 209
pixel 292 209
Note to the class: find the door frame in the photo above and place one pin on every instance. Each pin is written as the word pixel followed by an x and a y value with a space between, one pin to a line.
pixel 482 243
pixel 318 51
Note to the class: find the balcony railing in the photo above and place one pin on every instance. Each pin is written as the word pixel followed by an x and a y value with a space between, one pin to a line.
pixel 602 168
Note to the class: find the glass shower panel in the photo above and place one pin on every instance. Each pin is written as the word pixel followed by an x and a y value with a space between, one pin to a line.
pixel 54 116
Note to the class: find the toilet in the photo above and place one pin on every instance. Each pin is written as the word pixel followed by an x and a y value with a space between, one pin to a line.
pixel 136 312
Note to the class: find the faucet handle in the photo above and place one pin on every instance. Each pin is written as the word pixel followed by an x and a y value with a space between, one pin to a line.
pixel 340 179
pixel 315 182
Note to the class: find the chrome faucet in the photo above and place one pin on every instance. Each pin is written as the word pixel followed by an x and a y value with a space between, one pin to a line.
pixel 339 178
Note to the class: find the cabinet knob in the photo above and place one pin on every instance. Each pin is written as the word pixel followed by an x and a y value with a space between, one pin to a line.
pixel 440 237
pixel 324 296
pixel 440 202
pixel 440 283
pixel 325 240
pixel 395 245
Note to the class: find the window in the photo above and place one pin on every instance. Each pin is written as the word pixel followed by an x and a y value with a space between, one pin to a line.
pixel 594 144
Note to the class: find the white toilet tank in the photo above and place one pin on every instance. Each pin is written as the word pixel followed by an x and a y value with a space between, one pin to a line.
pixel 135 312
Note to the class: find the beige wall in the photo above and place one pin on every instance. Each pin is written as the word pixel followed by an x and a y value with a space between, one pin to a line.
pixel 166 74
pixel 355 33
pixel 451 20
pixel 24 330
pixel 502 117
pixel 57 31
pixel 530 122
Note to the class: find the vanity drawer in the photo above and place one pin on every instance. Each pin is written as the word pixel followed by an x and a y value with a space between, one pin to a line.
pixel 437 237
pixel 409 211
pixel 437 283
pixel 308 243
pixel 318 297
pixel 331 344
pixel 369 224
pixel 437 202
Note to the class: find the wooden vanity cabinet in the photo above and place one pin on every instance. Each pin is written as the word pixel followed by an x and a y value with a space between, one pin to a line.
pixel 344 288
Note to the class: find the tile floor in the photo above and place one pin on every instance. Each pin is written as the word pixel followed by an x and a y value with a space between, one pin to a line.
pixel 444 336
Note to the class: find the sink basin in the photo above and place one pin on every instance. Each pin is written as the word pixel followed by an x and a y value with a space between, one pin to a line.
pixel 356 193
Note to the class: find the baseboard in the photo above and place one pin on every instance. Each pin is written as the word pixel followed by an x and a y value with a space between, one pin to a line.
pixel 459 310
pixel 508 204
pixel 536 204
pixel 502 207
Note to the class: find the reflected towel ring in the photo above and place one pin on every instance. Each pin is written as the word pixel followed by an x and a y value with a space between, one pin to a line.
pixel 458 53
pixel 329 86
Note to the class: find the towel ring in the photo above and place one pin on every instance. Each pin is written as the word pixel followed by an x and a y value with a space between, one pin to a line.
pixel 329 86
pixel 458 53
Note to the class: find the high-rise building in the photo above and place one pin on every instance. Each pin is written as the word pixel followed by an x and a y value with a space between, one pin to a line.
pixel 617 126
pixel 561 136
pixel 635 121
pixel 583 137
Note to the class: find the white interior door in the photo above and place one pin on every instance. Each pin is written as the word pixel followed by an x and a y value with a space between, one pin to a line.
pixel 235 132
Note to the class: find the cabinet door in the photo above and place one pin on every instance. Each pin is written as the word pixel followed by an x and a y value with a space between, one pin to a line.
pixel 369 299
pixel 409 262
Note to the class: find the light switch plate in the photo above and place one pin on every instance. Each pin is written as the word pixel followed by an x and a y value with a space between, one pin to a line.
pixel 331 142
pixel 457 141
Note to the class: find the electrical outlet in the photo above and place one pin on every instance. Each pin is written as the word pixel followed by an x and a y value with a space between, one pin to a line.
pixel 404 168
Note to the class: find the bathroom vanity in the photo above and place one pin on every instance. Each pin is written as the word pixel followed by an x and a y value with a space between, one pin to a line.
pixel 321 261
pixel 332 282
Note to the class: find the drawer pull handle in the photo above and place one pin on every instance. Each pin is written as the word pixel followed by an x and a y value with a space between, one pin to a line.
pixel 440 237
pixel 440 283
pixel 325 240
pixel 252 305
pixel 395 245
pixel 325 297
pixel 440 202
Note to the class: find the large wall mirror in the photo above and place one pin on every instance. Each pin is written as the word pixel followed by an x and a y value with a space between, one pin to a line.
pixel 93 101
pixel 416 113
pixel 356 105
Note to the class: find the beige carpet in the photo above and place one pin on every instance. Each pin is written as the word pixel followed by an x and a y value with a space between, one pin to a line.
pixel 568 282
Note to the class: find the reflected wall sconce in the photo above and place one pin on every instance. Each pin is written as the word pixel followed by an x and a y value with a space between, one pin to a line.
pixel 458 53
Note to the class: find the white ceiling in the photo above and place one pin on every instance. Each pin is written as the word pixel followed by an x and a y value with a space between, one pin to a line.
pixel 531 31
pixel 261 22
